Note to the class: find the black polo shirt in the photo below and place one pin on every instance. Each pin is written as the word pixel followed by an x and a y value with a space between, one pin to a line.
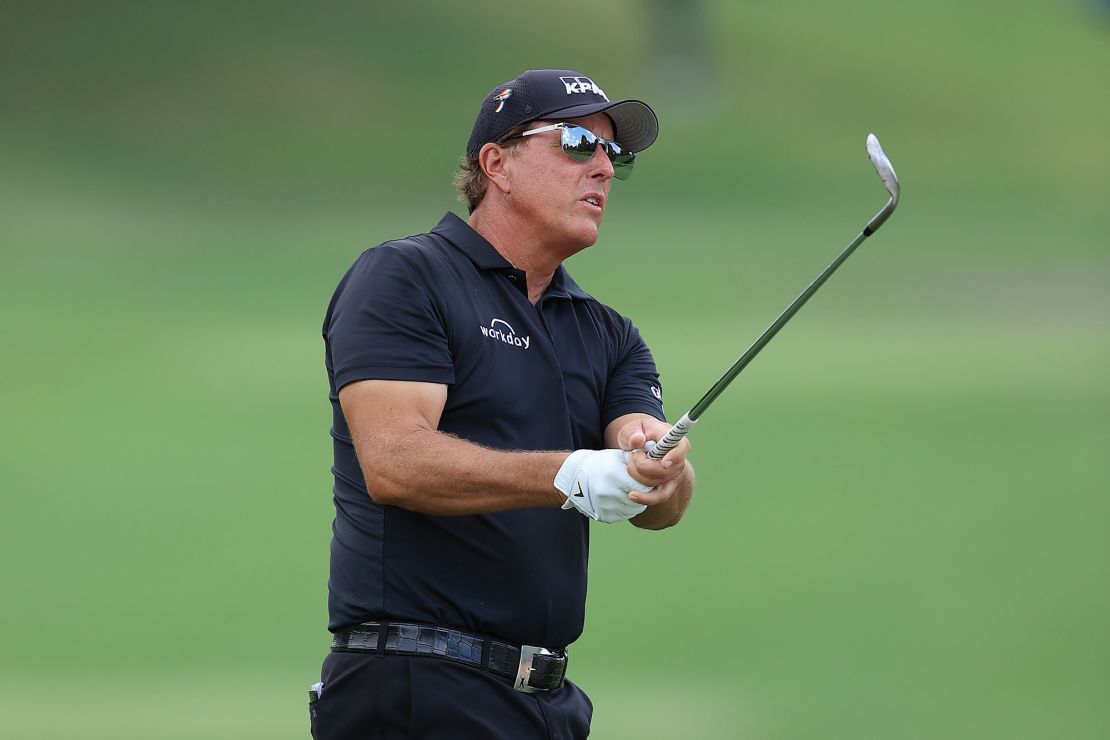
pixel 446 307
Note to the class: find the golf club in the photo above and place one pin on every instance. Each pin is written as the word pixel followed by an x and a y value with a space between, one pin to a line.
pixel 682 427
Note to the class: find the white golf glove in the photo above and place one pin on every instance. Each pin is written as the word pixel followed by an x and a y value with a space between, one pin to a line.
pixel 597 483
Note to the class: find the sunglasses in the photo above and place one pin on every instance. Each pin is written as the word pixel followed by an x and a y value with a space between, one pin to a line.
pixel 580 144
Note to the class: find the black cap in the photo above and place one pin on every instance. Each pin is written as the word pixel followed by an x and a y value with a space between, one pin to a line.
pixel 563 94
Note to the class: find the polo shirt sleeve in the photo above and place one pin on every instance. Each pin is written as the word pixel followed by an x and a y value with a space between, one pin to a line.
pixel 633 380
pixel 384 323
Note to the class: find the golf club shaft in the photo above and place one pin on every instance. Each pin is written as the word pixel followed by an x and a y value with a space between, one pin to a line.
pixel 881 163
pixel 683 426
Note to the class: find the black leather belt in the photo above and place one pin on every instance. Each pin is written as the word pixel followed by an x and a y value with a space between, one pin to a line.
pixel 530 668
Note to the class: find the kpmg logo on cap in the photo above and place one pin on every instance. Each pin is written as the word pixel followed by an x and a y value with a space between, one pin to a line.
pixel 583 85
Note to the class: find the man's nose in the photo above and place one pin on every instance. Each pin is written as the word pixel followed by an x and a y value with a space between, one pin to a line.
pixel 600 163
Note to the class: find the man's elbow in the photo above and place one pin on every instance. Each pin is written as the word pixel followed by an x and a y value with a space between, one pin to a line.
pixel 384 485
pixel 387 477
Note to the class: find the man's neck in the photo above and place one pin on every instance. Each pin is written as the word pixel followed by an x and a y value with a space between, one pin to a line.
pixel 521 250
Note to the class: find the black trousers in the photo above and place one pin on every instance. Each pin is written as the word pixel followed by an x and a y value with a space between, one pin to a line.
pixel 386 697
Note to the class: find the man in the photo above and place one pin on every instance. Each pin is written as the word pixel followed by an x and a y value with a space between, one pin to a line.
pixel 485 409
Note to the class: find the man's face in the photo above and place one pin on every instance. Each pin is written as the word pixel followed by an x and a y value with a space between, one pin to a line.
pixel 551 193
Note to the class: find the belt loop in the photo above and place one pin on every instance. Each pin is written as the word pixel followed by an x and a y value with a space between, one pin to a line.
pixel 487 644
pixel 383 631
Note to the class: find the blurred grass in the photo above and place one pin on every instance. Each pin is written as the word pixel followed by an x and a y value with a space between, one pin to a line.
pixel 901 523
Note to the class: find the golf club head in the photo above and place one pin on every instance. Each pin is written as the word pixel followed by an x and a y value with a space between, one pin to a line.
pixel 890 181
pixel 882 165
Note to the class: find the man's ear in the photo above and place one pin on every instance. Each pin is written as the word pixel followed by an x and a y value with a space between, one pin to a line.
pixel 494 161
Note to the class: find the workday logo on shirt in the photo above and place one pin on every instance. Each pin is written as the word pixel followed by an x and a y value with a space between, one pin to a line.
pixel 500 330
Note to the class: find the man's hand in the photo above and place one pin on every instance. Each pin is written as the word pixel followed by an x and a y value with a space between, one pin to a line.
pixel 667 502
pixel 663 475
pixel 597 483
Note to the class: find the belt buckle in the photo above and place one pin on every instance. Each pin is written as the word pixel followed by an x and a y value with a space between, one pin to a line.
pixel 528 654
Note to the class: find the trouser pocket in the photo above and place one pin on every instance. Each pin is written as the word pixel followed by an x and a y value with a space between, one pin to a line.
pixel 315 693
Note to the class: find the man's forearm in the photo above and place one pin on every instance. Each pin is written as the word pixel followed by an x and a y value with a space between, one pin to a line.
pixel 436 473
pixel 669 512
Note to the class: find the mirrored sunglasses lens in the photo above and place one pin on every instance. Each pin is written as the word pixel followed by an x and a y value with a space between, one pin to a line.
pixel 622 161
pixel 622 170
pixel 579 143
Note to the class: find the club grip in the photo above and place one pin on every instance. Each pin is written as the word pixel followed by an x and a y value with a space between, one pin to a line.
pixel 671 439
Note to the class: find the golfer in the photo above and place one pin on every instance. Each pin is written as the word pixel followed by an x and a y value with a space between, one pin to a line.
pixel 485 410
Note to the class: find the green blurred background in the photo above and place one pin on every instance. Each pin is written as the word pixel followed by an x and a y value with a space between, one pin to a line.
pixel 901 529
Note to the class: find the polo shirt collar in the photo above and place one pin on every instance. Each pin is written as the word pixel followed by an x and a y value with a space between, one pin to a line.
pixel 486 257
pixel 471 243
pixel 563 284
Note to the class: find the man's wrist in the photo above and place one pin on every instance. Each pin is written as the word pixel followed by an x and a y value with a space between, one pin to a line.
pixel 568 469
pixel 560 482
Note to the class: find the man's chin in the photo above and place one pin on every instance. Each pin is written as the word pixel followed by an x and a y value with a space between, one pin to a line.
pixel 579 238
pixel 588 235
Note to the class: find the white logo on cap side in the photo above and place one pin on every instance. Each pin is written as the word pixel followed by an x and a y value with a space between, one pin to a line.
pixel 577 85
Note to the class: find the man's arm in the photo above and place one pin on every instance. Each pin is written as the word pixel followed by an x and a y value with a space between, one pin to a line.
pixel 673 476
pixel 408 463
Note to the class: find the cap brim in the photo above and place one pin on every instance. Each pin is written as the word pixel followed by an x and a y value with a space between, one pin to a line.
pixel 635 122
